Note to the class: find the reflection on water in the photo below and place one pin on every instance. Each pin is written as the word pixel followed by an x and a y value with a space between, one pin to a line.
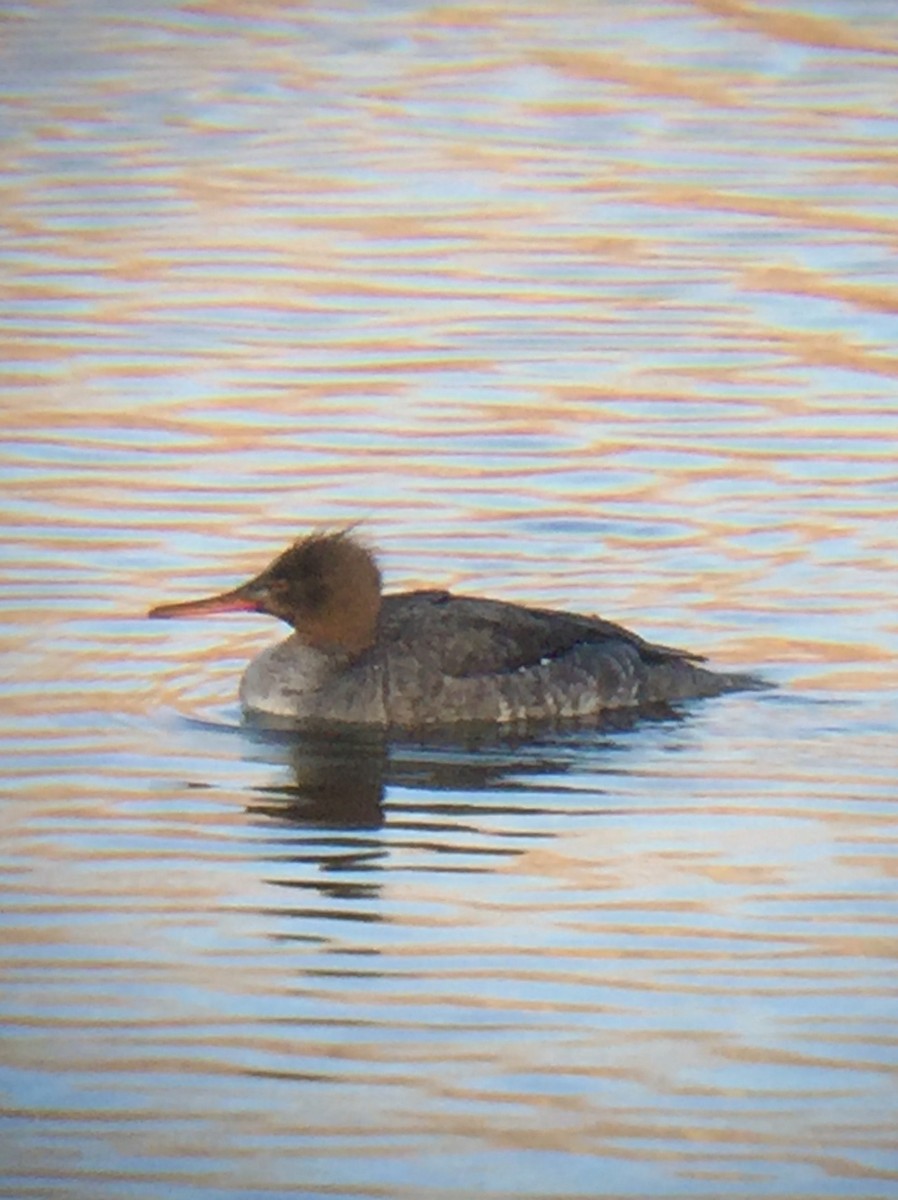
pixel 582 305
pixel 339 775
pixel 659 945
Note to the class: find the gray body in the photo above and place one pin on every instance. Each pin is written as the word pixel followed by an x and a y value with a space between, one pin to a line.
pixel 440 659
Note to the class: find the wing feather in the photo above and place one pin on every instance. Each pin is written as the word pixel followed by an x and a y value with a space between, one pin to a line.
pixel 468 636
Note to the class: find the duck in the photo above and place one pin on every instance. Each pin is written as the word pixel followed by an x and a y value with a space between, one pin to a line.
pixel 417 659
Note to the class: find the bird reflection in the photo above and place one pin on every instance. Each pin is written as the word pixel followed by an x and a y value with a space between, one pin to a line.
pixel 339 775
pixel 357 808
pixel 337 782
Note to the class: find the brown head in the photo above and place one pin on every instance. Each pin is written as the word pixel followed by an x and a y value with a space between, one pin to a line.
pixel 326 586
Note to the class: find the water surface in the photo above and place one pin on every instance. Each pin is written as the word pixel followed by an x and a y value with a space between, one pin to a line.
pixel 580 304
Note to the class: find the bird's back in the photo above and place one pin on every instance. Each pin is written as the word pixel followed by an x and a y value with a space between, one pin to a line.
pixel 448 658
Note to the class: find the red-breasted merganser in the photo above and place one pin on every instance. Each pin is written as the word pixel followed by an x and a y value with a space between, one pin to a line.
pixel 427 658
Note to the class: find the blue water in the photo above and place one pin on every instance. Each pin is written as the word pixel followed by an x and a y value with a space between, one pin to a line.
pixel 578 306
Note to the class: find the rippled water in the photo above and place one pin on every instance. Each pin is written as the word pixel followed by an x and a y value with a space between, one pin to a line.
pixel 582 304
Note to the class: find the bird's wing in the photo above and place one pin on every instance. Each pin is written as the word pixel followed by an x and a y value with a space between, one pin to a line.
pixel 465 636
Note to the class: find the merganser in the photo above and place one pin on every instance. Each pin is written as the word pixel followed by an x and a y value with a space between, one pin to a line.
pixel 428 658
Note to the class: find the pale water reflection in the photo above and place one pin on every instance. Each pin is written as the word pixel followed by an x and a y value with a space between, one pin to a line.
pixel 583 304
